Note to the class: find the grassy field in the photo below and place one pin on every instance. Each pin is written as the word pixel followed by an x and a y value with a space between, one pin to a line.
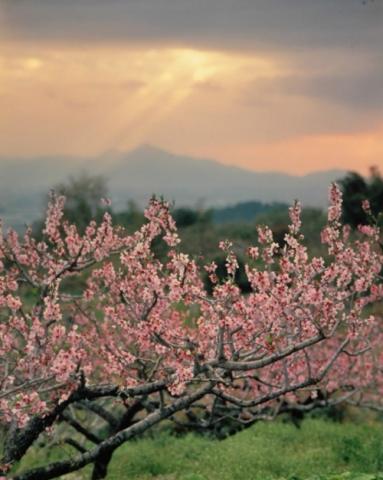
pixel 319 450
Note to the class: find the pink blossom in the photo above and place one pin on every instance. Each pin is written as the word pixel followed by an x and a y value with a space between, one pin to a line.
pixel 135 314
pixel 295 217
pixel 335 198
pixel 366 207
pixel 14 303
pixel 106 202
pixel 265 235
pixel 253 252
pixel 368 230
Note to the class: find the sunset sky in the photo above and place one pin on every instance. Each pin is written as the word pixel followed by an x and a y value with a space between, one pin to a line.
pixel 288 85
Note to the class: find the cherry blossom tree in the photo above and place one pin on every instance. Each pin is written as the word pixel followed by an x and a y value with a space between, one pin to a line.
pixel 96 321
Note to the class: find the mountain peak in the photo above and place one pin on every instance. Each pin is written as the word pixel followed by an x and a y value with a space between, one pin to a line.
pixel 148 170
pixel 149 150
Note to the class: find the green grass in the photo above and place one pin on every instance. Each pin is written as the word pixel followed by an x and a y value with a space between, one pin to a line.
pixel 320 450
pixel 266 451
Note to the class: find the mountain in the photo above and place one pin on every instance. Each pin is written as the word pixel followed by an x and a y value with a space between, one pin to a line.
pixel 148 170
pixel 25 182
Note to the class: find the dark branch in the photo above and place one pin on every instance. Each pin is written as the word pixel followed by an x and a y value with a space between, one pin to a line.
pixel 66 466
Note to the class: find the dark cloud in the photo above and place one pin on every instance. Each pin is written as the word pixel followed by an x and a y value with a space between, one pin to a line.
pixel 332 47
pixel 243 24
pixel 360 89
pixel 305 103
pixel 363 90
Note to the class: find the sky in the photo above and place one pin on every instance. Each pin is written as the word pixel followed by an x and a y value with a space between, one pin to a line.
pixel 284 85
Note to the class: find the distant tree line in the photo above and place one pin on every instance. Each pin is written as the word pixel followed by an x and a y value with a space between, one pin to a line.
pixel 357 188
pixel 201 229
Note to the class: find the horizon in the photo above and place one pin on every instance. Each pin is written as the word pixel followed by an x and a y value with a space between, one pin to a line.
pixel 145 147
pixel 138 174
pixel 262 85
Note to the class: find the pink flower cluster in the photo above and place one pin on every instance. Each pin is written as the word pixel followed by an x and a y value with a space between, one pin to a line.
pixel 139 319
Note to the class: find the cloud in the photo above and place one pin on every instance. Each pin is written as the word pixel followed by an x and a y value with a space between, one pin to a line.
pixel 337 92
pixel 218 72
pixel 359 92
pixel 325 39
pixel 244 24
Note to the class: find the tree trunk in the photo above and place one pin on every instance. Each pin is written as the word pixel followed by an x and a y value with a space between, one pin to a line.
pixel 100 468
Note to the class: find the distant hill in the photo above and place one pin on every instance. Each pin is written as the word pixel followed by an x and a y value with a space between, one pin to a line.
pixel 149 170
pixel 245 211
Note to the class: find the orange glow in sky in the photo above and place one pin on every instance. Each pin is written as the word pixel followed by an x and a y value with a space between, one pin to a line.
pixel 236 107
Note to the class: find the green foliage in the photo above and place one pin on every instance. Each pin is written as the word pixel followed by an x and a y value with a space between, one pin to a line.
pixel 245 212
pixel 320 450
pixel 221 272
pixel 132 218
pixel 200 230
pixel 313 220
pixel 355 189
pixel 83 201
pixel 83 195
pixel 185 217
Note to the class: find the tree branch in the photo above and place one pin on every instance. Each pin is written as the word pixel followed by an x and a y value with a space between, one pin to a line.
pixel 66 466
